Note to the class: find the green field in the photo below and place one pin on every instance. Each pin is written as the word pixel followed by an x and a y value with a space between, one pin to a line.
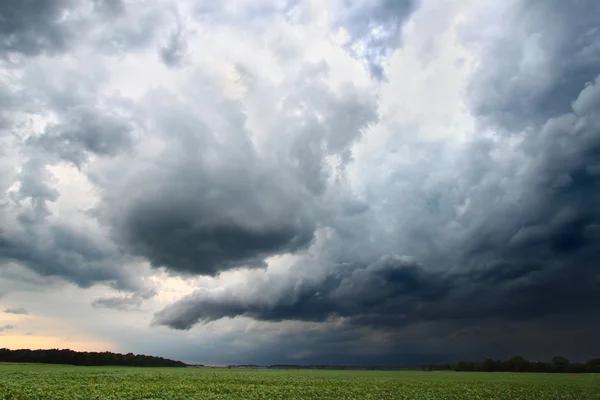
pixel 31 382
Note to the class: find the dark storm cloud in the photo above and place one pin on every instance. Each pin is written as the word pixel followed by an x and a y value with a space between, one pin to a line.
pixel 395 292
pixel 522 246
pixel 181 209
pixel 547 240
pixel 376 27
pixel 194 217
pixel 32 26
pixel 389 283
pixel 55 250
pixel 209 202
pixel 332 342
pixel 546 52
pixel 18 311
pixel 188 246
pixel 423 245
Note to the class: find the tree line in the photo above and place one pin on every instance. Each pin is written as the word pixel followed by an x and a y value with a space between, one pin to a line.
pixel 519 364
pixel 66 356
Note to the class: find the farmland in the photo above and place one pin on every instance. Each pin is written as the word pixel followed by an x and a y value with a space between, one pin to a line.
pixel 39 381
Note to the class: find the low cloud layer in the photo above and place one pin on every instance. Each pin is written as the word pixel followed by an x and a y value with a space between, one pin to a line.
pixel 6 327
pixel 416 172
pixel 123 303
pixel 17 311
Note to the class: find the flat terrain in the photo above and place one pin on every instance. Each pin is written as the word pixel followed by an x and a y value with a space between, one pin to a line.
pixel 33 382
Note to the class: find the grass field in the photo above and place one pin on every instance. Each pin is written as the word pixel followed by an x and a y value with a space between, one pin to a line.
pixel 32 382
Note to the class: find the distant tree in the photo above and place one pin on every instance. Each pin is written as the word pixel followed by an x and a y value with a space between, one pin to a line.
pixel 561 364
pixel 593 365
pixel 490 365
pixel 465 366
pixel 517 364
pixel 520 364
pixel 56 356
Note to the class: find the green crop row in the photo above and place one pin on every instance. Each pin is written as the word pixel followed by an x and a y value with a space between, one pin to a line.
pixel 50 382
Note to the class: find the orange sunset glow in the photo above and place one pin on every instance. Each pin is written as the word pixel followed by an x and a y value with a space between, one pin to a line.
pixel 14 342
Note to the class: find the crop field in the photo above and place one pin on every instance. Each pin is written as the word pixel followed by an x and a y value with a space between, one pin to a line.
pixel 33 382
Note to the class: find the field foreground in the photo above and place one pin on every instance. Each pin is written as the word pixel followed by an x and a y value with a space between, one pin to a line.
pixel 33 382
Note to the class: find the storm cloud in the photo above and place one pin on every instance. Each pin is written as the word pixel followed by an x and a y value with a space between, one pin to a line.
pixel 411 171
pixel 210 200
pixel 52 27
pixel 516 234
pixel 536 67
pixel 30 27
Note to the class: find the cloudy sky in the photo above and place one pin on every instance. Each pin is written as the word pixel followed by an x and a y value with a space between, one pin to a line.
pixel 301 181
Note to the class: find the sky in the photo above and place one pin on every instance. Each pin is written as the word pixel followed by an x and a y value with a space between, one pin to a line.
pixel 366 182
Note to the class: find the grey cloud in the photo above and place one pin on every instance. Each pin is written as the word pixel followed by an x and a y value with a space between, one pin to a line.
pixel 30 235
pixel 53 27
pixel 6 327
pixel 36 185
pixel 9 102
pixel 57 250
pixel 532 71
pixel 210 202
pixel 175 222
pixel 69 88
pixel 524 248
pixel 376 27
pixel 247 13
pixel 86 130
pixel 128 29
pixel 333 342
pixel 499 230
pixel 30 27
pixel 124 303
pixel 435 341
pixel 110 7
pixel 349 292
pixel 118 303
pixel 207 203
pixel 18 311
pixel 54 248
pixel 173 52
pixel 316 124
